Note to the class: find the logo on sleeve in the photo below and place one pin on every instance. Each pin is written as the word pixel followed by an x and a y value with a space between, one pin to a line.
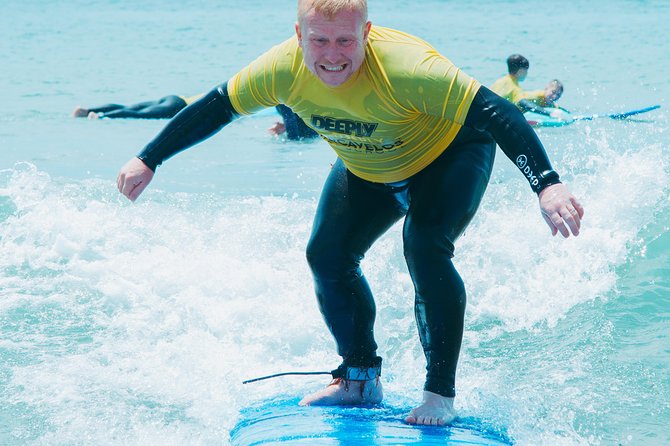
pixel 522 164
pixel 521 161
pixel 344 126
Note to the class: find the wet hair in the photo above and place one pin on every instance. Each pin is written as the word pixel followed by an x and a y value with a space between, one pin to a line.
pixel 559 85
pixel 515 62
pixel 330 8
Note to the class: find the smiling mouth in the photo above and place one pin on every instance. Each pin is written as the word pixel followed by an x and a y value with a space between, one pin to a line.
pixel 334 69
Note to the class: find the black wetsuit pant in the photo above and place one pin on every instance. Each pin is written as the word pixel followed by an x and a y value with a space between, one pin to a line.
pixel 164 108
pixel 437 203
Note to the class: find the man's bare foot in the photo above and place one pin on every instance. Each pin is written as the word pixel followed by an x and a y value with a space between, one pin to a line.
pixel 436 410
pixel 93 115
pixel 80 112
pixel 346 393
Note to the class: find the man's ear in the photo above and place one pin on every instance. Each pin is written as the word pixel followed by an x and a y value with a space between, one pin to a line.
pixel 298 33
pixel 366 30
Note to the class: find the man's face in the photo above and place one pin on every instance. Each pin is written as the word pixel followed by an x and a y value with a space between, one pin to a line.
pixel 521 74
pixel 333 49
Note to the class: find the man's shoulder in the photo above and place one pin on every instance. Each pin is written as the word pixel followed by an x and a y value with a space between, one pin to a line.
pixel 286 49
pixel 504 87
pixel 398 53
pixel 284 57
pixel 382 35
pixel 505 80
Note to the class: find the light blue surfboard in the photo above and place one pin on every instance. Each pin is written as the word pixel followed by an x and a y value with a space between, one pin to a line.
pixel 282 421
pixel 539 120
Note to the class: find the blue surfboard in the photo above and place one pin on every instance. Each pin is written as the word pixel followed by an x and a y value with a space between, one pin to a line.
pixel 281 421
pixel 540 120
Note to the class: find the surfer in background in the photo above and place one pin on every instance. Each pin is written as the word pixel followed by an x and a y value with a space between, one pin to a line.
pixel 538 101
pixel 416 139
pixel 544 101
pixel 164 108
pixel 291 125
pixel 508 86
pixel 167 107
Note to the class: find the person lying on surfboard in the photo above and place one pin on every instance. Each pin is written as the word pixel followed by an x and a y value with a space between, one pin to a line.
pixel 291 126
pixel 539 101
pixel 415 138
pixel 164 108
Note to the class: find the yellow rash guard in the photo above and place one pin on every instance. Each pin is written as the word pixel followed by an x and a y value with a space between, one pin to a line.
pixel 508 88
pixel 391 119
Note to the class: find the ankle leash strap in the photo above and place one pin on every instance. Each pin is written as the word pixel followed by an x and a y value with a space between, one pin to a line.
pixel 345 372
pixel 350 373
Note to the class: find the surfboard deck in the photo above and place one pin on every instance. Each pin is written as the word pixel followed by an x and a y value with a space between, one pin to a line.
pixel 283 421
pixel 540 120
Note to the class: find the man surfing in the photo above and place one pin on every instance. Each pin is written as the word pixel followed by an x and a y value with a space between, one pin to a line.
pixel 416 139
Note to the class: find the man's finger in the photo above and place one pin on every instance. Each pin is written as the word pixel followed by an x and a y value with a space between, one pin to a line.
pixel 577 218
pixel 119 181
pixel 571 217
pixel 127 187
pixel 137 190
pixel 578 206
pixel 550 224
pixel 557 220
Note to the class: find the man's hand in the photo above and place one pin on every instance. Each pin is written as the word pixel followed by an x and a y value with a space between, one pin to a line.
pixel 277 129
pixel 559 114
pixel 133 178
pixel 560 208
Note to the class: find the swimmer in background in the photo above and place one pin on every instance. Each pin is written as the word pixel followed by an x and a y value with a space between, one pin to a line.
pixel 164 108
pixel 294 127
pixel 538 101
pixel 167 107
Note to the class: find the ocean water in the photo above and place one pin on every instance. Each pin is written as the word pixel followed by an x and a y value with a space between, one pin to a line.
pixel 134 324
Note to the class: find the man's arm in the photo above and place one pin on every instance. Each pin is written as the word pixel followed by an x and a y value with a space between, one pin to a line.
pixel 555 111
pixel 528 105
pixel 192 125
pixel 505 122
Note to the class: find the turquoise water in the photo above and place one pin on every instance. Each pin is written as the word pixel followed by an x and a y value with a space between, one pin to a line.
pixel 136 323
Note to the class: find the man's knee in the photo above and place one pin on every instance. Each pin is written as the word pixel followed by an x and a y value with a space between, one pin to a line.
pixel 330 260
pixel 425 246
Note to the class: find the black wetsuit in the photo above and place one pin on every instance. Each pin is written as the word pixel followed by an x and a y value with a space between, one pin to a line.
pixel 168 106
pixel 437 203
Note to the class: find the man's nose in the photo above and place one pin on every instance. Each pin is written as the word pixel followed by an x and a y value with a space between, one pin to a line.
pixel 331 53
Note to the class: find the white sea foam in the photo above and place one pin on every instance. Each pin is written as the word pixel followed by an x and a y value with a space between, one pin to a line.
pixel 135 324
pixel 160 309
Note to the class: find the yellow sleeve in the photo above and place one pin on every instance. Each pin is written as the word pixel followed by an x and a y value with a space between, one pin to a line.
pixel 265 81
pixel 536 96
